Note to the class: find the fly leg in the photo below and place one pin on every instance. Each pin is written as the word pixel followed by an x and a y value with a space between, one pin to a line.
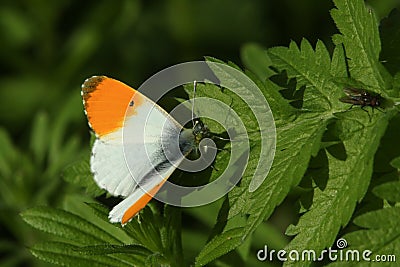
pixel 369 115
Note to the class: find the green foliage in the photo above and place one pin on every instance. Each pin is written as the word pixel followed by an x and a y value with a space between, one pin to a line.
pixel 360 37
pixel 81 242
pixel 49 48
pixel 326 155
pixel 390 35
pixel 389 191
pixel 299 140
pixel 380 230
pixel 29 176
pixel 79 174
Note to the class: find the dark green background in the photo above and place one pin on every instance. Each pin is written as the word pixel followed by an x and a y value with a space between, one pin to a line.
pixel 48 48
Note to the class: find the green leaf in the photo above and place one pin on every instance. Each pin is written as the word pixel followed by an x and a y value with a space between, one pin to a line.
pixel 300 139
pixel 39 138
pixel 95 213
pixel 79 173
pixel 296 143
pixel 215 249
pixel 360 36
pixel 8 154
pixel 390 34
pixel 154 236
pixel 379 219
pixel 396 163
pixel 334 206
pixel 62 152
pixel 250 100
pixel 147 234
pixel 381 236
pixel 253 57
pixel 112 249
pixel 156 239
pixel 99 210
pixel 156 259
pixel 67 225
pixel 389 191
pixel 171 235
pixel 256 59
pixel 65 254
pixel 312 69
pixel 160 234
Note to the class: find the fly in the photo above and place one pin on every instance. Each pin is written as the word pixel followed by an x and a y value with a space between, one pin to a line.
pixel 361 97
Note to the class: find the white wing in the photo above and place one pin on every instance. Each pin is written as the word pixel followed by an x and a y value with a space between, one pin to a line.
pixel 122 159
pixel 129 157
pixel 139 197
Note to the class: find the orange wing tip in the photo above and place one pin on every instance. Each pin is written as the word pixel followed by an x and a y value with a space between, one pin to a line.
pixel 140 204
pixel 135 208
pixel 106 103
pixel 90 84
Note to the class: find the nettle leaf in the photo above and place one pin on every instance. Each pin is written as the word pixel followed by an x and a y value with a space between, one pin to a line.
pixel 66 225
pixel 318 78
pixel 389 191
pixel 390 33
pixel 396 163
pixel 381 236
pixel 360 36
pixel 238 105
pixel 299 134
pixel 349 178
pixel 159 233
pixel 261 130
pixel 99 210
pixel 65 254
pixel 256 59
pixel 252 57
pixel 72 230
pixel 214 249
pixel 312 70
pixel 80 241
pixel 112 249
pixel 296 143
pixel 347 184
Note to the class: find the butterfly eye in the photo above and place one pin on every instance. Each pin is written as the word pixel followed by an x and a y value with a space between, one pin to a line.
pixel 197 127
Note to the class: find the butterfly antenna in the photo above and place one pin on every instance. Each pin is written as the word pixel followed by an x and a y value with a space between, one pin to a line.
pixel 221 138
pixel 194 98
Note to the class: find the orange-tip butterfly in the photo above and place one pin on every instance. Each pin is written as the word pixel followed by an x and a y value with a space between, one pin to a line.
pixel 112 108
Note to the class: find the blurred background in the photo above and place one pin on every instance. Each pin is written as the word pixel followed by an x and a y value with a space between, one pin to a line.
pixel 48 48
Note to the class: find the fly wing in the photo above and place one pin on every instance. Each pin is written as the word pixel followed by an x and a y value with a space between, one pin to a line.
pixel 353 92
pixel 349 100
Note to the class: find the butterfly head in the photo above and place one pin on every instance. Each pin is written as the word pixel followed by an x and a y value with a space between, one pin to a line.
pixel 200 130
pixel 189 139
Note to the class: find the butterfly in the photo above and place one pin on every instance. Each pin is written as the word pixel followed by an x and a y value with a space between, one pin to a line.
pixel 138 144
